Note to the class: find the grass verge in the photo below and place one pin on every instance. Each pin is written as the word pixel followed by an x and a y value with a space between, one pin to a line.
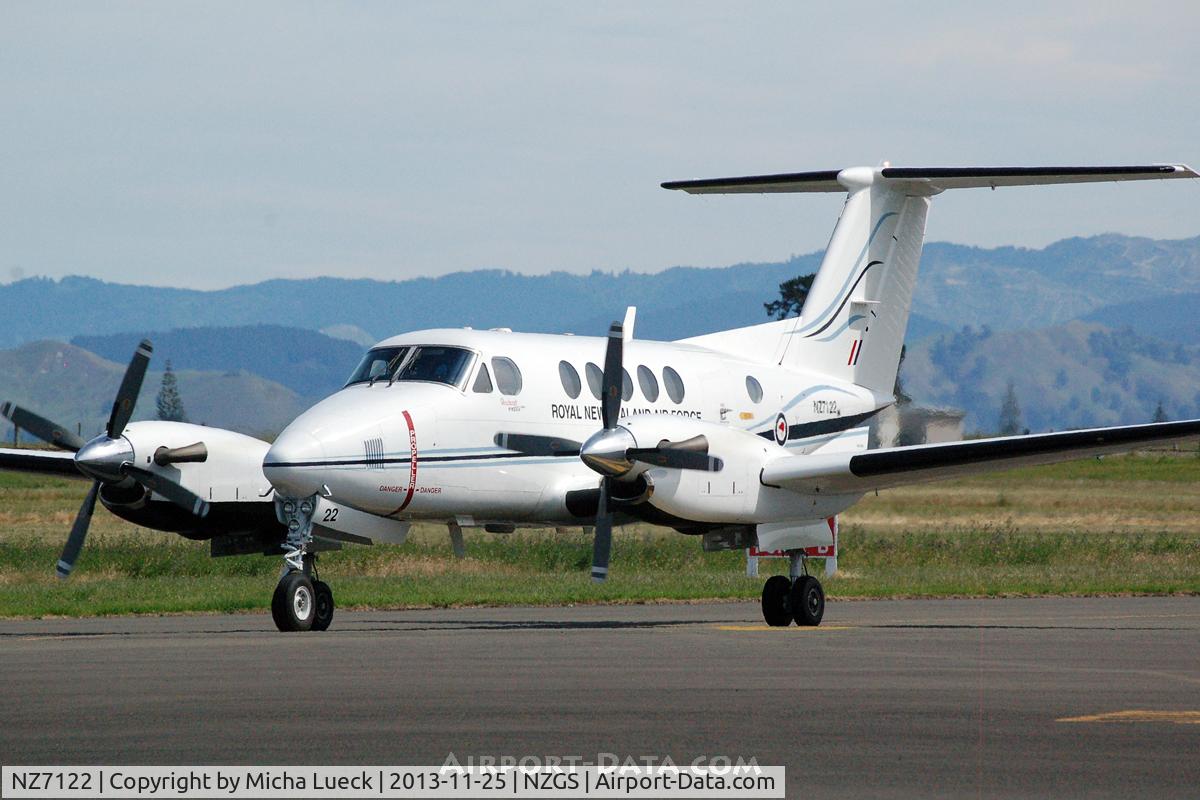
pixel 1118 526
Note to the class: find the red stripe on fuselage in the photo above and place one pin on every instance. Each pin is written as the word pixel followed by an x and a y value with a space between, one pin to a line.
pixel 412 464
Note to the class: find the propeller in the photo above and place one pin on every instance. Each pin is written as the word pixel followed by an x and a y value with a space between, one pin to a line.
pixel 177 494
pixel 612 451
pixel 610 412
pixel 533 445
pixel 131 385
pixel 676 457
pixel 79 529
pixel 109 458
pixel 41 427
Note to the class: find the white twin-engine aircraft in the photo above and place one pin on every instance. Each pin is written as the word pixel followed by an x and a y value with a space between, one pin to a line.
pixel 754 436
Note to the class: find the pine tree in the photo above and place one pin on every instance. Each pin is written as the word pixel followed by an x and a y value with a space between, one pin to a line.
pixel 170 404
pixel 792 294
pixel 1160 414
pixel 1010 412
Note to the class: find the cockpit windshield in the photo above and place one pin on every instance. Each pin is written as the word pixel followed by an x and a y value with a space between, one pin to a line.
pixel 437 364
pixel 447 365
pixel 379 364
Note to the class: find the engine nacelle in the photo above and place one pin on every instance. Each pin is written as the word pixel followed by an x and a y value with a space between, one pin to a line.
pixel 229 476
pixel 734 495
pixel 725 496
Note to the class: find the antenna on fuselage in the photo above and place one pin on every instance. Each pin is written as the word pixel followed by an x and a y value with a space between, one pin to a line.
pixel 627 326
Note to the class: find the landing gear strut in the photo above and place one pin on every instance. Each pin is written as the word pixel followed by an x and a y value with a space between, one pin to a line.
pixel 798 597
pixel 302 601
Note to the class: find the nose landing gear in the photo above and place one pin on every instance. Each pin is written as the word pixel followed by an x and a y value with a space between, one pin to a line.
pixel 294 603
pixel 798 597
pixel 302 601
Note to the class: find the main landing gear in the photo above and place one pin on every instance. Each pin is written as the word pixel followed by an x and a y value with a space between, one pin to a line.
pixel 797 597
pixel 302 601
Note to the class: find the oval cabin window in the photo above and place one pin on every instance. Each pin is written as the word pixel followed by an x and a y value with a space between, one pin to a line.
pixel 673 384
pixel 570 379
pixel 648 382
pixel 595 379
pixel 754 389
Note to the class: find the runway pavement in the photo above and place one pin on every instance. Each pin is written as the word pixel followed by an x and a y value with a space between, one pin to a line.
pixel 907 698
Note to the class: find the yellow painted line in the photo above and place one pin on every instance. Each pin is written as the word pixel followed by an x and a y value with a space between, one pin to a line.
pixel 1140 715
pixel 783 628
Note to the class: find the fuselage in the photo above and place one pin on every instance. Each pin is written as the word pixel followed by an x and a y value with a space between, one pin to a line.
pixel 426 448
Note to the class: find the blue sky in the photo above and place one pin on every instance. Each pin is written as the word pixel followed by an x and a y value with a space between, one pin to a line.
pixel 207 145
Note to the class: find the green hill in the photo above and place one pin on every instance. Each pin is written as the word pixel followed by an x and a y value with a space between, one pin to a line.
pixel 307 362
pixel 74 387
pixel 1004 287
pixel 1068 376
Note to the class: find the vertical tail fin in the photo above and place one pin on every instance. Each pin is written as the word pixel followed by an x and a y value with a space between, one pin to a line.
pixel 855 316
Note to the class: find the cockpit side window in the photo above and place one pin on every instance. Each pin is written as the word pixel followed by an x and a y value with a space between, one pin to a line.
pixel 508 376
pixel 483 381
pixel 379 363
pixel 436 364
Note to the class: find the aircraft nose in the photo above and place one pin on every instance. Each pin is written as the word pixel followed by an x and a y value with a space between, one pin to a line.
pixel 293 464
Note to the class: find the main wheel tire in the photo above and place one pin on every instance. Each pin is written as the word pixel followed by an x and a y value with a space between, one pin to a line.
pixel 323 615
pixel 807 601
pixel 775 602
pixel 293 605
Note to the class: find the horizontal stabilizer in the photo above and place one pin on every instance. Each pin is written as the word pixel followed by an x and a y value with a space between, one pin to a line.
pixel 896 466
pixel 933 179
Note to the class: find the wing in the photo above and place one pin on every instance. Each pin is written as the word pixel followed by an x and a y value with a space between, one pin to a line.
pixel 53 461
pixel 845 473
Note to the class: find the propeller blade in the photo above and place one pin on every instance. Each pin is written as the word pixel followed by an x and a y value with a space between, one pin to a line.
pixel 613 383
pixel 131 385
pixel 533 445
pixel 675 458
pixel 184 498
pixel 188 454
pixel 602 544
pixel 41 427
pixel 83 519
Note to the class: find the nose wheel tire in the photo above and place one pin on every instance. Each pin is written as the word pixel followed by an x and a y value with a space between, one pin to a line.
pixel 776 606
pixel 294 604
pixel 807 601
pixel 323 612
